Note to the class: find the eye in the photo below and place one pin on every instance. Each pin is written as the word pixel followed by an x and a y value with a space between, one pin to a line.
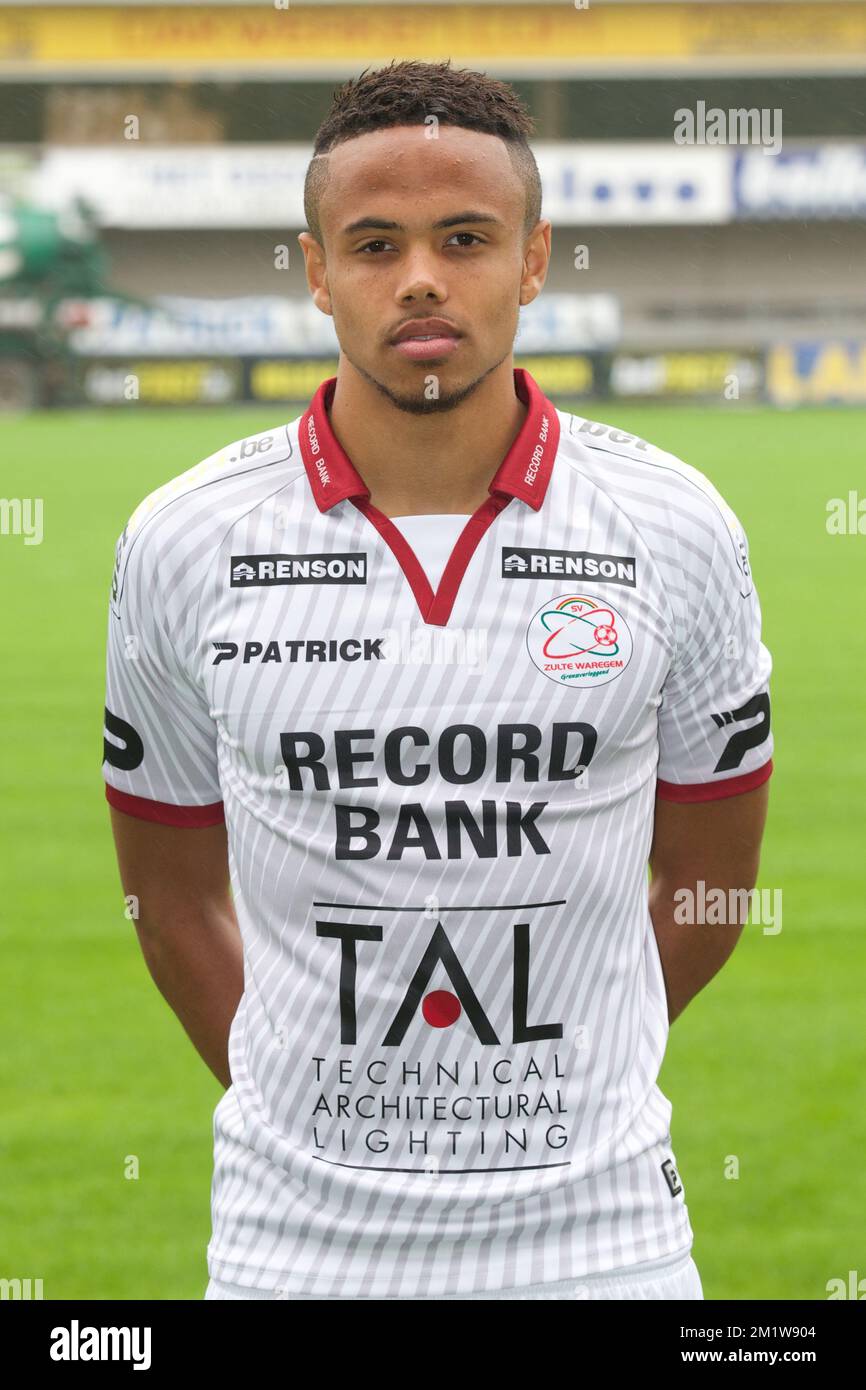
pixel 379 241
pixel 469 234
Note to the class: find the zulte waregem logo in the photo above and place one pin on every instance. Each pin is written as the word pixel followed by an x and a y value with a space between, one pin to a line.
pixel 579 640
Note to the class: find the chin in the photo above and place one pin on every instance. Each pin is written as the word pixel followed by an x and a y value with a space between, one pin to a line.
pixel 417 403
pixel 407 390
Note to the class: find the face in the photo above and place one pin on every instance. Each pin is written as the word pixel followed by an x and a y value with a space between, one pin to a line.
pixel 430 229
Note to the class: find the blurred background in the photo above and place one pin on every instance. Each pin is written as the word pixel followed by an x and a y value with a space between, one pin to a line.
pixel 152 170
pixel 153 309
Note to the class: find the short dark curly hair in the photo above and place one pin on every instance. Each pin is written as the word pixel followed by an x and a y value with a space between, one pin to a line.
pixel 408 93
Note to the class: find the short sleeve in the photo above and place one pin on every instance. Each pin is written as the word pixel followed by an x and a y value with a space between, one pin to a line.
pixel 160 746
pixel 714 716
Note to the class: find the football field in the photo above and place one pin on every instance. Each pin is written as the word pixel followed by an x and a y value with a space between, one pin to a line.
pixel 105 1139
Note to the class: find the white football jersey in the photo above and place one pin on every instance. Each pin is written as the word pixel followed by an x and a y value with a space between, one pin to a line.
pixel 439 806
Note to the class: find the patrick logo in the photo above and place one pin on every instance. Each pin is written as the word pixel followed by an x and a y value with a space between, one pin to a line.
pixel 579 640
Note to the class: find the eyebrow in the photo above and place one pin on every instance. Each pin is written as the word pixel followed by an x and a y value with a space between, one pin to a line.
pixel 382 224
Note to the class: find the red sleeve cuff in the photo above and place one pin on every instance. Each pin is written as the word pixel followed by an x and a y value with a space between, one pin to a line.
pixel 713 791
pixel 163 813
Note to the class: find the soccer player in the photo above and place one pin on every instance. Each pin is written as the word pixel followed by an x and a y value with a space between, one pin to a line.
pixel 403 699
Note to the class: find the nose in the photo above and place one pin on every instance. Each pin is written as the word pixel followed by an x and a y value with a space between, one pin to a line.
pixel 421 278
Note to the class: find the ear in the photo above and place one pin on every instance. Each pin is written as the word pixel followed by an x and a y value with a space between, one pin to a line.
pixel 536 259
pixel 316 270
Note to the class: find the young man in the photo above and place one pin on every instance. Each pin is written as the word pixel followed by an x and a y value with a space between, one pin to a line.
pixel 397 894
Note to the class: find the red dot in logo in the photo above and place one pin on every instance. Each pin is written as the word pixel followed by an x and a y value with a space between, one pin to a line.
pixel 440 1008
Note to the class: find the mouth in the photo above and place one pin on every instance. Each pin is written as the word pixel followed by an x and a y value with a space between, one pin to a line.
pixel 416 344
pixel 423 339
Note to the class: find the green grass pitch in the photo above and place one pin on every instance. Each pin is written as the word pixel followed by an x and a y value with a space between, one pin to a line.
pixel 767 1065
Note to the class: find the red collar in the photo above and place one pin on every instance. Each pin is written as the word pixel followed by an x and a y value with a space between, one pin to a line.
pixel 524 472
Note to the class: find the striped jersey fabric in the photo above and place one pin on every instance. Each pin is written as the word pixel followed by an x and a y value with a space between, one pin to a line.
pixel 439 807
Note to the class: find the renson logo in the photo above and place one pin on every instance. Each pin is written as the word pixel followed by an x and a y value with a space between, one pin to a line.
pixel 257 570
pixel 519 562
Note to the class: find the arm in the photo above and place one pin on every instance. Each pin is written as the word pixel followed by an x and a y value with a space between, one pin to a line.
pixel 715 748
pixel 186 925
pixel 161 773
pixel 714 841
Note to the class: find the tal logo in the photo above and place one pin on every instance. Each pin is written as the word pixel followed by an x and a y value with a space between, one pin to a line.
pixel 438 1008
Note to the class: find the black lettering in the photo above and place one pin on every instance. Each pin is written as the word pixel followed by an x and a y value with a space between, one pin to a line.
pixel 440 951
pixel 744 739
pixel 477 753
pixel 523 1031
pixel 125 758
pixel 457 814
pixel 506 753
pixel 409 815
pixel 393 765
pixel 346 757
pixel 559 743
pixel 366 832
pixel 312 759
pixel 517 823
pixel 348 935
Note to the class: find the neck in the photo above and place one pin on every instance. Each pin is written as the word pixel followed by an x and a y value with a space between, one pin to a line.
pixel 421 464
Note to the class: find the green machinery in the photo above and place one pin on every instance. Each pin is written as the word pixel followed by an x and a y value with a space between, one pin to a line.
pixel 51 265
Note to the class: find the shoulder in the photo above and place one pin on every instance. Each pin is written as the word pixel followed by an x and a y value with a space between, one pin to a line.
pixel 661 493
pixel 188 516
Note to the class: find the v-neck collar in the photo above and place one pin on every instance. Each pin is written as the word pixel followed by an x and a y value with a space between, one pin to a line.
pixel 524 473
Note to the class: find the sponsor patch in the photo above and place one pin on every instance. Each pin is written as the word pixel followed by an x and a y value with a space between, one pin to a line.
pixel 294 649
pixel 578 639
pixel 119 552
pixel 672 1177
pixel 251 571
pixel 518 562
pixel 741 550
